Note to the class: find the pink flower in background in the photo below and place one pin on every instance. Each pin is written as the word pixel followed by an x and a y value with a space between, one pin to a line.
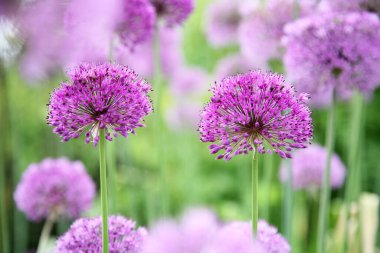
pixel 232 65
pixel 308 166
pixel 85 235
pixel 137 20
pixel 141 58
pixel 47 189
pixel 106 96
pixel 258 111
pixel 190 234
pixel 172 12
pixel 333 51
pixel 222 20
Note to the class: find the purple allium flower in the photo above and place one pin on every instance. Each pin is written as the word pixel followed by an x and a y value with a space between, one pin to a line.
pixel 232 65
pixel 173 12
pixel 106 96
pixel 334 51
pixel 141 58
pixel 137 22
pixel 352 5
pixel 222 22
pixel 308 166
pixel 268 237
pixel 47 189
pixel 189 235
pixel 255 110
pixel 85 235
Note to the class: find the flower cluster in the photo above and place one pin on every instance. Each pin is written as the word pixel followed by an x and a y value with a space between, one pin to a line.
pixel 106 96
pixel 173 12
pixel 334 51
pixel 137 22
pixel 258 111
pixel 308 166
pixel 47 189
pixel 85 236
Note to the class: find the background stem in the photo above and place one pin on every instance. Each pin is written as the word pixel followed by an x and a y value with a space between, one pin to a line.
pixel 103 188
pixel 44 238
pixel 288 203
pixel 324 205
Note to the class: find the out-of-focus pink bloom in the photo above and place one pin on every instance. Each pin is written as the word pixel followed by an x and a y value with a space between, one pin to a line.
pixel 222 22
pixel 173 12
pixel 308 166
pixel 232 65
pixel 141 58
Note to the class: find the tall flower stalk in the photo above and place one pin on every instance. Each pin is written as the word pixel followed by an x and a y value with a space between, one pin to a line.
pixel 103 101
pixel 255 112
pixel 324 206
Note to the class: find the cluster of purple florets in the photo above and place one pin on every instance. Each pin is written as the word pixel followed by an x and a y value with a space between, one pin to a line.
pixel 106 96
pixel 85 235
pixel 46 190
pixel 334 52
pixel 255 111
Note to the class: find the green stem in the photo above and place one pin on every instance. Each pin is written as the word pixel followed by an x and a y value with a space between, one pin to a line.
pixel 103 188
pixel 44 238
pixel 352 189
pixel 268 174
pixel 112 172
pixel 255 200
pixel 326 187
pixel 288 203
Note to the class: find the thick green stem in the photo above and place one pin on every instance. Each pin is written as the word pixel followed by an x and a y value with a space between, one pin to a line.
pixel 268 174
pixel 45 234
pixel 288 203
pixel 103 189
pixel 352 189
pixel 255 188
pixel 326 187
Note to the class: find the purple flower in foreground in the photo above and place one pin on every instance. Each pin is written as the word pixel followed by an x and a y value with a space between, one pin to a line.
pixel 236 237
pixel 189 235
pixel 334 51
pixel 137 22
pixel 255 110
pixel 47 189
pixel 85 235
pixel 222 22
pixel 308 166
pixel 173 12
pixel 106 96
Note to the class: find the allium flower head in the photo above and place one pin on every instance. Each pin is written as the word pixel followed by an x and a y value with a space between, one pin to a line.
pixel 106 96
pixel 258 111
pixel 222 22
pixel 85 235
pixel 137 22
pixel 308 166
pixel 173 12
pixel 334 51
pixel 190 235
pixel 47 189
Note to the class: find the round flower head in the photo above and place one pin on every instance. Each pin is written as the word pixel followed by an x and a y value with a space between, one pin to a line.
pixel 334 51
pixel 137 22
pixel 85 235
pixel 46 189
pixel 308 168
pixel 258 111
pixel 190 235
pixel 352 5
pixel 106 96
pixel 173 12
pixel 236 237
pixel 222 22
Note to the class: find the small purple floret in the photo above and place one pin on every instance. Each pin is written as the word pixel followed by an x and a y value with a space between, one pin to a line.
pixel 258 111
pixel 85 235
pixel 106 96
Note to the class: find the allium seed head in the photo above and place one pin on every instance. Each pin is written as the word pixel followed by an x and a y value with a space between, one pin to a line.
pixel 106 96
pixel 47 189
pixel 258 111
pixel 85 235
